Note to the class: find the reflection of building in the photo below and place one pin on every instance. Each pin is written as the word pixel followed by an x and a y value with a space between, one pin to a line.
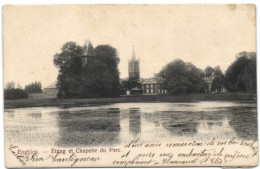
pixel 134 121
pixel 153 86
pixel 35 116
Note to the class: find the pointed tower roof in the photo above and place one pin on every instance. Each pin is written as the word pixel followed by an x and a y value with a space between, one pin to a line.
pixel 133 53
pixel 88 48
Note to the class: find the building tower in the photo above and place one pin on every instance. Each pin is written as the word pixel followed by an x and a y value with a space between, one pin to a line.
pixel 88 52
pixel 133 67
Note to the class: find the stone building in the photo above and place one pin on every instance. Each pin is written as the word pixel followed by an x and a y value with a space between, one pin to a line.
pixel 149 86
pixel 153 86
pixel 51 90
pixel 133 67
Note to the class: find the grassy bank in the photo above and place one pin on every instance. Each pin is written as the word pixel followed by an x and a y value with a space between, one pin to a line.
pixel 8 104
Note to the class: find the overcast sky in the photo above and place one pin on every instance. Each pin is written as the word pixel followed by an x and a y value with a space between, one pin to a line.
pixel 206 35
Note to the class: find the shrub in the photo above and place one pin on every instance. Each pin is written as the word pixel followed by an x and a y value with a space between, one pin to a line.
pixel 10 94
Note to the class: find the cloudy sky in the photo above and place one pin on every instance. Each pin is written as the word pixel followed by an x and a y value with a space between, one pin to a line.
pixel 206 35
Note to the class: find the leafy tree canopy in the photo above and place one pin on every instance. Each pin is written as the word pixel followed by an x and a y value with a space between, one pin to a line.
pixel 98 78
pixel 10 85
pixel 181 77
pixel 241 74
pixel 10 92
pixel 34 87
pixel 219 80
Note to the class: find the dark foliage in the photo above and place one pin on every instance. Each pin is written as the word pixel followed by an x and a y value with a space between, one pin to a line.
pixel 65 61
pixel 208 71
pixel 98 78
pixel 10 85
pixel 218 78
pixel 130 84
pixel 15 94
pixel 34 87
pixel 181 77
pixel 101 75
pixel 241 74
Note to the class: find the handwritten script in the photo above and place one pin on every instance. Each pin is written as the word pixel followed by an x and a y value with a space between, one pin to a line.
pixel 137 153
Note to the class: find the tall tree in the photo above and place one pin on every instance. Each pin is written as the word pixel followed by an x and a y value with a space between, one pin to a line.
pixel 34 87
pixel 249 74
pixel 208 71
pixel 10 85
pixel 99 77
pixel 241 74
pixel 219 81
pixel 68 62
pixel 181 77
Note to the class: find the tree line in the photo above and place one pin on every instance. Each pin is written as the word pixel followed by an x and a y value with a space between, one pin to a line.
pixel 241 74
pixel 34 87
pixel 12 91
pixel 181 77
pixel 98 78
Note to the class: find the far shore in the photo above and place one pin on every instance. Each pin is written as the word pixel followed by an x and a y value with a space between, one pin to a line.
pixel 65 103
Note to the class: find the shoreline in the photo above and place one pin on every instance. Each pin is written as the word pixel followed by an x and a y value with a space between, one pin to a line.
pixel 66 103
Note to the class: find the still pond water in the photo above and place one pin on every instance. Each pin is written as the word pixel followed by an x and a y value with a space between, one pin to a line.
pixel 115 124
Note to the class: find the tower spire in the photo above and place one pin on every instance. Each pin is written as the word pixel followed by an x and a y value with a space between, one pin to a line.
pixel 133 54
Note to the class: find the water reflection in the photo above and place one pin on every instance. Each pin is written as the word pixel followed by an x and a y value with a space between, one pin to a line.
pixel 244 122
pixel 179 123
pixel 35 115
pixel 88 127
pixel 119 123
pixel 135 122
pixel 10 114
pixel 30 127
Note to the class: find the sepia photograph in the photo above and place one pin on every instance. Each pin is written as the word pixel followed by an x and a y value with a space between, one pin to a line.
pixel 133 85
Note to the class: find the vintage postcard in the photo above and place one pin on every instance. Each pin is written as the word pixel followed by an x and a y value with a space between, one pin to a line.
pixel 130 85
